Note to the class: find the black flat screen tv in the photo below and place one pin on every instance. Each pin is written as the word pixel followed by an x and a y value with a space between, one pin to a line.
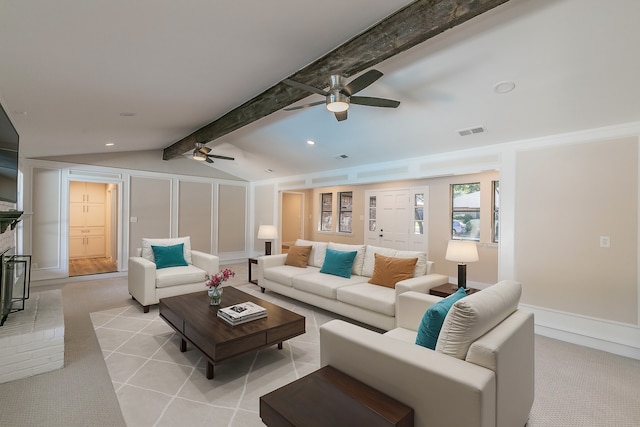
pixel 8 159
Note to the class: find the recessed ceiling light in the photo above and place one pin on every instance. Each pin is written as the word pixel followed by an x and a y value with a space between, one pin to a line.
pixel 504 87
pixel 310 142
pixel 127 114
pixel 110 144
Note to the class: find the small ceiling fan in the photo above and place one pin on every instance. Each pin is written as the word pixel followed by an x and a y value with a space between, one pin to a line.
pixel 201 154
pixel 340 96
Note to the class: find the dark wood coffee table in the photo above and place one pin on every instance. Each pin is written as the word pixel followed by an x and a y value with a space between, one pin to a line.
pixel 196 322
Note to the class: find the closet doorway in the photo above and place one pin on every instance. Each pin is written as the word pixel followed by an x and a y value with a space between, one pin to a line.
pixel 292 219
pixel 93 223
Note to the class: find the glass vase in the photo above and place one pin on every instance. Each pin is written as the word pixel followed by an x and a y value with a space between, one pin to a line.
pixel 215 295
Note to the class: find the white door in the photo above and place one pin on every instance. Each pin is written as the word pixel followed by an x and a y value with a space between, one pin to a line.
pixel 397 218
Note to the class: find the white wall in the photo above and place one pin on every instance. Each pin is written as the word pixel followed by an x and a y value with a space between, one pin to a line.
pixel 578 291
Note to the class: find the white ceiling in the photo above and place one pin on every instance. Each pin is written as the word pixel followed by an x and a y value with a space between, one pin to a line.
pixel 69 68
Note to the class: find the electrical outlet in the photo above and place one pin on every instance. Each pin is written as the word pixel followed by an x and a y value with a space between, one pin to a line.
pixel 605 242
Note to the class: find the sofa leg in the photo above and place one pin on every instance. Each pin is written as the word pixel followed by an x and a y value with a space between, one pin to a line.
pixel 145 308
pixel 262 290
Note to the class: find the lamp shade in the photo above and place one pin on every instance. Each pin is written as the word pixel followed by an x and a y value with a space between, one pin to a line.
pixel 267 232
pixel 462 251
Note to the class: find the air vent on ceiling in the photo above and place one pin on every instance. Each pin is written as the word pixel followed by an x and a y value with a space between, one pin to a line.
pixel 471 131
pixel 340 156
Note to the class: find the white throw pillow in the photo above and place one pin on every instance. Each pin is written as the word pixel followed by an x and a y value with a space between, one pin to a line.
pixel 147 251
pixel 475 315
pixel 358 262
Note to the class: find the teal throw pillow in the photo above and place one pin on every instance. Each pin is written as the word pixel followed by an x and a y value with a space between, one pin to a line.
pixel 338 263
pixel 169 256
pixel 434 318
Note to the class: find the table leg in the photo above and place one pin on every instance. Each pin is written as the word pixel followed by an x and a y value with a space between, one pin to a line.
pixel 209 370
pixel 183 345
pixel 280 345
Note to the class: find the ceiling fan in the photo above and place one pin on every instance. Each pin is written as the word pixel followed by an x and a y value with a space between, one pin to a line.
pixel 340 96
pixel 201 154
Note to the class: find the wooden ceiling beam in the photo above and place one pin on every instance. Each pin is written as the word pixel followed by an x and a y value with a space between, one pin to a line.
pixel 409 26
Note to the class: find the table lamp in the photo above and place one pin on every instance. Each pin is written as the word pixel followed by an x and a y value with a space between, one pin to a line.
pixel 268 233
pixel 462 251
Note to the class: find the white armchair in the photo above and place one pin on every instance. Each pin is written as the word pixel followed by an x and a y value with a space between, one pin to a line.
pixel 148 284
pixel 480 375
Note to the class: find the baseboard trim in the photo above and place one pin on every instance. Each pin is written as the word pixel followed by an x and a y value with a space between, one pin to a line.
pixel 612 337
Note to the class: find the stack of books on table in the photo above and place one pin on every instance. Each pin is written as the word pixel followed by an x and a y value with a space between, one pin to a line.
pixel 241 313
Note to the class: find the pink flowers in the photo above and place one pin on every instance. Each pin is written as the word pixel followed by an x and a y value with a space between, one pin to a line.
pixel 216 280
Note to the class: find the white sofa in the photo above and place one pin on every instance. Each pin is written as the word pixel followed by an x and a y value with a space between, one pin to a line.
pixel 353 297
pixel 481 373
pixel 148 284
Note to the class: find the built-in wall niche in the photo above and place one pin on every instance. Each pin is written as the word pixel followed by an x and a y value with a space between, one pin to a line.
pixel 87 216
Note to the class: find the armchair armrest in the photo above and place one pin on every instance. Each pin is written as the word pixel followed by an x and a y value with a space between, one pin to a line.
pixel 410 308
pixel 142 280
pixel 442 390
pixel 208 262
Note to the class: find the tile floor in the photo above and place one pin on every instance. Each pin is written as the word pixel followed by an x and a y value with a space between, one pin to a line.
pixel 157 385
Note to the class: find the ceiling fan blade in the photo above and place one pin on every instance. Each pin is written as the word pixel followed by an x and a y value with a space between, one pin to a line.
pixel 208 160
pixel 342 115
pixel 305 87
pixel 300 107
pixel 215 156
pixel 374 102
pixel 361 82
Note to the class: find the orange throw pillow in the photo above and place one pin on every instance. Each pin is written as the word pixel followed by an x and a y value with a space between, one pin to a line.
pixel 298 256
pixel 388 271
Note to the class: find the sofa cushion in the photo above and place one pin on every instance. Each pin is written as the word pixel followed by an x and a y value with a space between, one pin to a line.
pixel 473 316
pixel 338 263
pixel 379 299
pixel 358 262
pixel 318 249
pixel 369 259
pixel 147 252
pixel 283 274
pixel 433 319
pixel 298 256
pixel 325 285
pixel 173 276
pixel 389 270
pixel 169 256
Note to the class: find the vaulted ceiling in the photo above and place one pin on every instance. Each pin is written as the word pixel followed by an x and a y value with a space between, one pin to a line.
pixel 77 74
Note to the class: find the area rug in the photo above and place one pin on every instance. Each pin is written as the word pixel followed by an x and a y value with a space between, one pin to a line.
pixel 157 385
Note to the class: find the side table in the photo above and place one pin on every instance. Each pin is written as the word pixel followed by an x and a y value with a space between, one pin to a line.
pixel 252 261
pixel 329 397
pixel 448 289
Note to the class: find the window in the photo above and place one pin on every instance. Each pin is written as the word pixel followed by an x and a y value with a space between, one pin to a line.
pixel 326 212
pixel 496 212
pixel 345 212
pixel 372 213
pixel 418 213
pixel 465 211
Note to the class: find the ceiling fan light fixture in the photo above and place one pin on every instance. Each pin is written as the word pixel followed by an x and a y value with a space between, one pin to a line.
pixel 199 156
pixel 337 102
